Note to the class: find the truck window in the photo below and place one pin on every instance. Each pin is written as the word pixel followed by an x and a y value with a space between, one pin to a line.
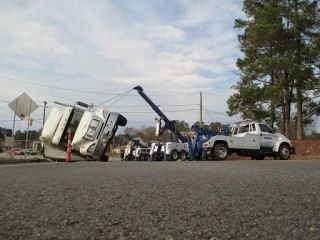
pixel 73 125
pixel 253 127
pixel 265 128
pixel 244 129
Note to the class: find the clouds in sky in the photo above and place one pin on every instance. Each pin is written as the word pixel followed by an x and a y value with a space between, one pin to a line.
pixel 167 47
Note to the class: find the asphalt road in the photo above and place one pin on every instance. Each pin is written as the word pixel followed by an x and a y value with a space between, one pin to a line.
pixel 161 200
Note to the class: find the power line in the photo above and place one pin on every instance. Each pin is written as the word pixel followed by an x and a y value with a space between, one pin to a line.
pixel 5 110
pixel 122 95
pixel 214 94
pixel 185 110
pixel 207 112
pixel 84 91
pixel 164 105
pixel 217 113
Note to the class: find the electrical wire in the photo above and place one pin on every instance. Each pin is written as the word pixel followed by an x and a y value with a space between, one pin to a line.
pixel 84 91
pixel 207 113
pixel 186 110
pixel 214 94
pixel 217 113
pixel 122 95
pixel 5 110
pixel 165 105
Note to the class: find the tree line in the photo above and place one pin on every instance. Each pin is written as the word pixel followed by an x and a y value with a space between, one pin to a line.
pixel 20 135
pixel 279 73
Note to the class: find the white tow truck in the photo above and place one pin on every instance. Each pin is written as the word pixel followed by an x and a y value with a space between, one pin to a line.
pixel 136 149
pixel 251 139
pixel 91 131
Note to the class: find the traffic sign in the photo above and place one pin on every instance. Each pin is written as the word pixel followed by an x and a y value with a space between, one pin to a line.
pixel 23 106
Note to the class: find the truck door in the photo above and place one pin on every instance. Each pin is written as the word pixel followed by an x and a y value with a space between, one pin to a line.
pixel 267 138
pixel 251 141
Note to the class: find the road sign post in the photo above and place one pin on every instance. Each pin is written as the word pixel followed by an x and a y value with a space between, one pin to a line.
pixel 22 107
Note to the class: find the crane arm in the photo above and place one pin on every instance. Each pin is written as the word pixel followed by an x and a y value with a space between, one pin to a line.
pixel 168 124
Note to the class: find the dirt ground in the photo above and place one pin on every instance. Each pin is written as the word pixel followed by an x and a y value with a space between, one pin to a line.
pixel 306 149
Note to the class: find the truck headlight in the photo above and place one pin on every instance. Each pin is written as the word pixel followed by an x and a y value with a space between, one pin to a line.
pixel 91 148
pixel 105 113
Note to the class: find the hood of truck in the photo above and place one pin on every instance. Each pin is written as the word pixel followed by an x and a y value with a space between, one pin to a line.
pixel 282 137
pixel 51 125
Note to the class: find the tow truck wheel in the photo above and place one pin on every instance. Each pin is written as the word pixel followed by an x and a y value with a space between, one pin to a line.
pixel 260 157
pixel 220 151
pixel 183 155
pixel 174 155
pixel 284 152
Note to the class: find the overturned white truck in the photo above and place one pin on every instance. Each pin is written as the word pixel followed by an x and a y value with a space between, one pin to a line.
pixel 91 131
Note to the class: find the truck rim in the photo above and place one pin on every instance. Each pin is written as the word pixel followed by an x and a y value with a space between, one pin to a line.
pixel 183 155
pixel 221 152
pixel 285 152
pixel 175 155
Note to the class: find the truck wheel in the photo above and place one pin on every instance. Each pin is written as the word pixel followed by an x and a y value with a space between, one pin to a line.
pixel 174 155
pixel 221 152
pixel 104 158
pixel 199 155
pixel 183 155
pixel 284 152
pixel 121 121
pixel 260 157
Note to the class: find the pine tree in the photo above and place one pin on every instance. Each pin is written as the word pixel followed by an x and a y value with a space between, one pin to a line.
pixel 281 47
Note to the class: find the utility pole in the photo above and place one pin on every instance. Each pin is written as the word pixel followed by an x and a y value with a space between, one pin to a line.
pixel 44 112
pixel 201 123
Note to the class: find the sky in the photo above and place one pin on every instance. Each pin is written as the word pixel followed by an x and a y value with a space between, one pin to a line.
pixel 94 51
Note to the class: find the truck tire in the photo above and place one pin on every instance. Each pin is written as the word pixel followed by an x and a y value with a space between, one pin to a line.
pixel 284 152
pixel 104 158
pixel 121 121
pixel 220 152
pixel 174 155
pixel 183 155
pixel 260 157
pixel 199 154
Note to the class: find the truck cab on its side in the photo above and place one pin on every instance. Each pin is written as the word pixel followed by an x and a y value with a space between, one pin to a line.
pixel 91 131
pixel 251 139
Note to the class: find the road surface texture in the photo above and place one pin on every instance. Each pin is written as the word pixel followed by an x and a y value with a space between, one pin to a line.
pixel 161 200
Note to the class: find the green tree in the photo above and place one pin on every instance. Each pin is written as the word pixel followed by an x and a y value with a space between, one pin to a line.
pixel 281 47
pixel 2 133
pixel 182 126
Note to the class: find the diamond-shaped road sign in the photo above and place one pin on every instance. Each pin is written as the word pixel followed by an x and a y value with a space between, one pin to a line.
pixel 23 106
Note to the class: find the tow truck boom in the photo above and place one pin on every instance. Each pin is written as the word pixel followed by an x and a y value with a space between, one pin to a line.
pixel 170 125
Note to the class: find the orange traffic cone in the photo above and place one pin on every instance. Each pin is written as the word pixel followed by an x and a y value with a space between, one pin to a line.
pixel 68 157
